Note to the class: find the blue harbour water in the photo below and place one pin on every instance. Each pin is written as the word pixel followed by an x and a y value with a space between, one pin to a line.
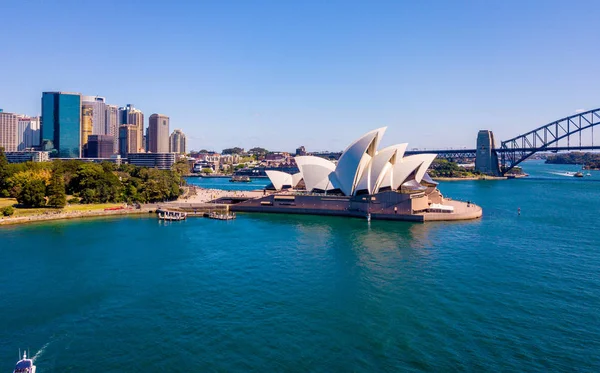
pixel 302 293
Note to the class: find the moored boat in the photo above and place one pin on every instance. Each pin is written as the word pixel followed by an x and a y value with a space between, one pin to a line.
pixel 24 365
pixel 240 179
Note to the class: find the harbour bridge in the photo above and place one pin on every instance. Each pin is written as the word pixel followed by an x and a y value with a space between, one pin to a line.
pixel 564 134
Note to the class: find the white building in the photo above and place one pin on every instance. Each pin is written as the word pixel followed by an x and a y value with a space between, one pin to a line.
pixel 28 132
pixel 361 169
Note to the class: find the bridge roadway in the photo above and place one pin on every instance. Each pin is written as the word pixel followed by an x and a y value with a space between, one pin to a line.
pixel 470 153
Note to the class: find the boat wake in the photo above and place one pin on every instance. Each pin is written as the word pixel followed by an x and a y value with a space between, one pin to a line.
pixel 40 352
pixel 566 174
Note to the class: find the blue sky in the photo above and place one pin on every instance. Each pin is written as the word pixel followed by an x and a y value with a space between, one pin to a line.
pixel 280 74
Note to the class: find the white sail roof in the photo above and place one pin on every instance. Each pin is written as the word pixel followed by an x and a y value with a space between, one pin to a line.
pixel 315 171
pixel 356 159
pixel 279 179
pixel 405 167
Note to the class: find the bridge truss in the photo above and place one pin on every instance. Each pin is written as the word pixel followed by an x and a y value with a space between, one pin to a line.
pixel 546 138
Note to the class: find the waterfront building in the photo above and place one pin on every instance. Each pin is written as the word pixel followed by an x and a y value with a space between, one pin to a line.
pixel 177 142
pixel 100 146
pixel 366 182
pixel 87 123
pixel 8 131
pixel 28 132
pixel 98 107
pixel 112 125
pixel 162 161
pixel 128 139
pixel 158 133
pixel 27 156
pixel 61 124
pixel 301 150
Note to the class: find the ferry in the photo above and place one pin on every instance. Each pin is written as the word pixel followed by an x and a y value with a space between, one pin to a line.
pixel 24 365
pixel 240 179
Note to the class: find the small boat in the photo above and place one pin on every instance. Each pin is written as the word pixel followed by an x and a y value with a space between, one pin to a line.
pixel 240 179
pixel 24 365
pixel 578 174
pixel 221 216
pixel 588 174
pixel 172 215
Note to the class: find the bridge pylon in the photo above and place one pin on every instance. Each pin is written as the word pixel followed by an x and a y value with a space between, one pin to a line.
pixel 486 158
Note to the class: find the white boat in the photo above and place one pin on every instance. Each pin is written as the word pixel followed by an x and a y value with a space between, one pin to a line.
pixel 24 365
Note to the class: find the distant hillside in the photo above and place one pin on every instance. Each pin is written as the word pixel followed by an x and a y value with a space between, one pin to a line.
pixel 589 160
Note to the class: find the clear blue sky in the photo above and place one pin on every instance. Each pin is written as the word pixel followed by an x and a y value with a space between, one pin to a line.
pixel 280 74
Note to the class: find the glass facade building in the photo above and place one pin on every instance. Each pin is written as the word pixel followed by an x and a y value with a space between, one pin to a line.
pixel 61 124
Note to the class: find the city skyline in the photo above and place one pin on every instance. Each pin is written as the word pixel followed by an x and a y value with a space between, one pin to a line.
pixel 251 77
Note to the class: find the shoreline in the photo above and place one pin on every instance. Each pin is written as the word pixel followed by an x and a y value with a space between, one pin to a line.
pixel 70 215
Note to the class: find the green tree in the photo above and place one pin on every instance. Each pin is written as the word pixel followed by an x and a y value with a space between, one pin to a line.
pixel 7 211
pixel 207 170
pixel 56 189
pixel 4 174
pixel 32 193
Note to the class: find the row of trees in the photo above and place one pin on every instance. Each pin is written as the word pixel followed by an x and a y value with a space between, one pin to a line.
pixel 49 183
pixel 445 168
pixel 589 160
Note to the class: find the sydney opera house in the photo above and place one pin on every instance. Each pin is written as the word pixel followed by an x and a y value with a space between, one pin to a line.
pixel 365 182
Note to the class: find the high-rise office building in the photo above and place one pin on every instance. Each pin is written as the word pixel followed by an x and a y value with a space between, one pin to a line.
pixel 128 139
pixel 87 123
pixel 158 133
pixel 112 125
pixel 8 131
pixel 61 124
pixel 100 146
pixel 177 142
pixel 132 116
pixel 98 105
pixel 28 132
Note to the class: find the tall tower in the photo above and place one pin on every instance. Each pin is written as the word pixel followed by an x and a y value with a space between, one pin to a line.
pixel 158 133
pixel 98 106
pixel 177 142
pixel 61 124
pixel 127 139
pixel 112 125
pixel 8 131
pixel 130 115
pixel 87 123
pixel 486 159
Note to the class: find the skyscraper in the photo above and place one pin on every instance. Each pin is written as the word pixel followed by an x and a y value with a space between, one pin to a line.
pixel 61 124
pixel 130 115
pixel 158 133
pixel 128 139
pixel 87 121
pixel 112 125
pixel 98 105
pixel 177 142
pixel 28 132
pixel 8 131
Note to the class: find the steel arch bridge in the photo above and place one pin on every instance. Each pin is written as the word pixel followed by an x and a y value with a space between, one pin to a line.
pixel 546 138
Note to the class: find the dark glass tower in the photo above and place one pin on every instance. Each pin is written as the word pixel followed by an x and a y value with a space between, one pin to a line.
pixel 61 124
